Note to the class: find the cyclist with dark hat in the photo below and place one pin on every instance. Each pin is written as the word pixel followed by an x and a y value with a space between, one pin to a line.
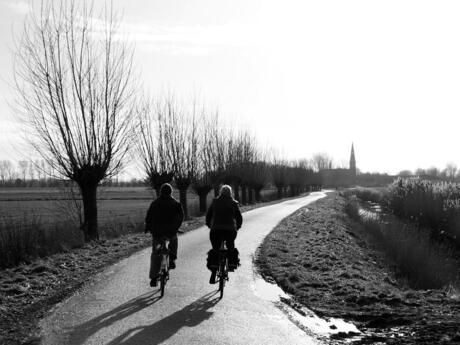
pixel 164 218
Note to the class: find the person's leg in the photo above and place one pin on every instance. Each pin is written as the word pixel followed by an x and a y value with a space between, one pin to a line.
pixel 233 260
pixel 230 237
pixel 172 247
pixel 154 262
pixel 215 238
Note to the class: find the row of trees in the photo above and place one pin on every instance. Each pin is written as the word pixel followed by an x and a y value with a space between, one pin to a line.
pixel 24 173
pixel 78 97
pixel 449 173
pixel 189 146
pixel 36 173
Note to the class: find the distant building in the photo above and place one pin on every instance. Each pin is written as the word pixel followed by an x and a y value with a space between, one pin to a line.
pixel 341 177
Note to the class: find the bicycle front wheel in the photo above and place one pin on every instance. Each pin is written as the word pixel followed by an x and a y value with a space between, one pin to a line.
pixel 162 283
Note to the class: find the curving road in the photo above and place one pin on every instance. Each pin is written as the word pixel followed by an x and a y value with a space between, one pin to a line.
pixel 119 307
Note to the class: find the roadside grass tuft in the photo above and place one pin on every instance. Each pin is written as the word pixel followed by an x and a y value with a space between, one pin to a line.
pixel 29 238
pixel 22 240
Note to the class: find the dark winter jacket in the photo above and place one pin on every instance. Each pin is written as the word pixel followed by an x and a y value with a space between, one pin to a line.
pixel 164 217
pixel 224 214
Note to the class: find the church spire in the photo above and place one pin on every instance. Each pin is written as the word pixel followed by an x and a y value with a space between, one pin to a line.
pixel 352 162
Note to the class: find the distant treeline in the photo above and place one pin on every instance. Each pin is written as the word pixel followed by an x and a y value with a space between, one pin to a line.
pixel 374 179
pixel 449 173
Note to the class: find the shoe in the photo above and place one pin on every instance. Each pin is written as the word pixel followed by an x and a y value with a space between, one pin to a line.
pixel 212 280
pixel 154 282
pixel 172 264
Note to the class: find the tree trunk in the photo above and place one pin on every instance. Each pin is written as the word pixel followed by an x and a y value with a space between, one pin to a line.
pixel 89 197
pixel 250 196
pixel 280 191
pixel 203 197
pixel 258 194
pixel 183 201
pixel 183 184
pixel 236 192
pixel 244 195
pixel 202 190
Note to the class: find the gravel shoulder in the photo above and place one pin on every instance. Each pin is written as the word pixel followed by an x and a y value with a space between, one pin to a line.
pixel 327 262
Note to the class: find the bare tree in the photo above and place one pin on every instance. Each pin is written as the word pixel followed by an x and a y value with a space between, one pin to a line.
pixel 321 161
pixel 31 170
pixel 451 171
pixel 405 173
pixel 245 152
pixel 23 167
pixel 75 91
pixel 181 140
pixel 420 172
pixel 151 146
pixel 202 183
pixel 279 176
pixel 217 143
pixel 259 177
pixel 6 171
pixel 432 171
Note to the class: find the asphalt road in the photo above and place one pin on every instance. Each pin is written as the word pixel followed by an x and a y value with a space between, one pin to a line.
pixel 119 306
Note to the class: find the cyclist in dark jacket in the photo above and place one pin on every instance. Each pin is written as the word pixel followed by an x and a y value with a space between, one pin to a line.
pixel 224 219
pixel 164 217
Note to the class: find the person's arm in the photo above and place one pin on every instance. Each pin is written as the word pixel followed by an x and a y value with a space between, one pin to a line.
pixel 149 219
pixel 179 216
pixel 238 217
pixel 209 215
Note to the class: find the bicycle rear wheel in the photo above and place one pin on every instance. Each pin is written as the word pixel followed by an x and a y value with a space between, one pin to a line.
pixel 222 278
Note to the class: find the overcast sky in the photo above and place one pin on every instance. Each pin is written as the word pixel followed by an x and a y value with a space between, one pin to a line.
pixel 305 76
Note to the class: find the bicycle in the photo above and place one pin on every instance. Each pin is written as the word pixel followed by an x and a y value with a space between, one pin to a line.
pixel 163 252
pixel 222 270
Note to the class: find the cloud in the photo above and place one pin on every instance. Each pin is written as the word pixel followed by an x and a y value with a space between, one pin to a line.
pixel 188 39
pixel 175 39
pixel 20 7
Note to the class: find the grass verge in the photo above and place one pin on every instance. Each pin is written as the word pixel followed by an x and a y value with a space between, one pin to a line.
pixel 324 259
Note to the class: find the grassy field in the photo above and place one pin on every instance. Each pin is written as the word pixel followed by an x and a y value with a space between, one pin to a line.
pixel 116 204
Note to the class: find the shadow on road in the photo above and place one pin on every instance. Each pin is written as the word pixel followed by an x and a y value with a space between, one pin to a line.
pixel 190 316
pixel 80 333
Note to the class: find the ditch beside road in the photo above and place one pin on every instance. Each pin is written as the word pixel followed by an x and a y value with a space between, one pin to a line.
pixel 325 260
